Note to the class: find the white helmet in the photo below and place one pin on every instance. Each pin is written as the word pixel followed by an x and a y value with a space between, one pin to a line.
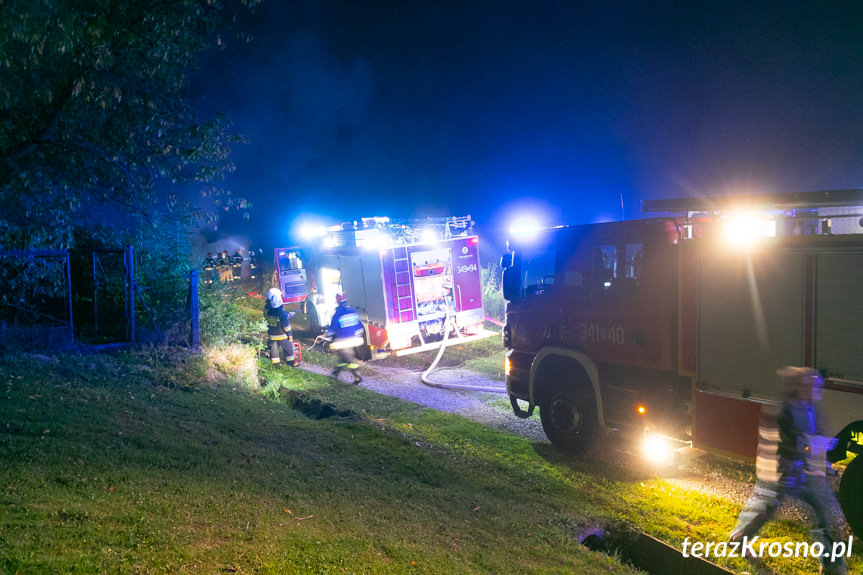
pixel 274 296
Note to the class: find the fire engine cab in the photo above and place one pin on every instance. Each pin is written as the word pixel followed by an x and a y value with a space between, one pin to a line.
pixel 674 326
pixel 412 281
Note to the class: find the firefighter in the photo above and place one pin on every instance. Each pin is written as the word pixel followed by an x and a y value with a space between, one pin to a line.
pixel 345 335
pixel 224 261
pixel 253 264
pixel 209 267
pixel 279 334
pixel 236 266
pixel 791 461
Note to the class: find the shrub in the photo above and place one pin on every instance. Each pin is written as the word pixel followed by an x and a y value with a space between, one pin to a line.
pixel 223 322
pixel 492 297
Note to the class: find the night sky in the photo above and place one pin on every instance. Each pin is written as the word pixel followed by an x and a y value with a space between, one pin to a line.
pixel 414 108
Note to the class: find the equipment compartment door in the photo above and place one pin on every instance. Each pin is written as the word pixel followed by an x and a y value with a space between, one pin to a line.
pixel 751 320
pixel 839 336
pixel 839 328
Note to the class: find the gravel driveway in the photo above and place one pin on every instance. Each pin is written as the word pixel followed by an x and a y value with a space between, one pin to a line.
pixel 476 406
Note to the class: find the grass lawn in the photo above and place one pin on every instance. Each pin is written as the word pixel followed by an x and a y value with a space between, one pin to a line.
pixel 148 462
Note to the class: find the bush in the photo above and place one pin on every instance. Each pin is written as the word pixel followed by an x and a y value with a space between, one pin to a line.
pixel 492 296
pixel 223 322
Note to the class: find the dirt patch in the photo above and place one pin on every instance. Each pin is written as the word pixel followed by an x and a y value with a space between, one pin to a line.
pixel 312 407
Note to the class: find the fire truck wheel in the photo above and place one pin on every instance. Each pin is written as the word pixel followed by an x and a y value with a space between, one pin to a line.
pixel 314 321
pixel 851 494
pixel 569 420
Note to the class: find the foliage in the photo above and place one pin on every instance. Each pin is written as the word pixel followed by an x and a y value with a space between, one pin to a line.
pixel 492 294
pixel 34 290
pixel 224 322
pixel 93 114
pixel 100 147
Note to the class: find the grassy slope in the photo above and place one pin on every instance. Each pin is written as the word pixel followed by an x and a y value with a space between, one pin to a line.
pixel 123 464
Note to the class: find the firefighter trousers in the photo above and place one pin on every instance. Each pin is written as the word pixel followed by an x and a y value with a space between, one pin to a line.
pixel 277 346
pixel 813 490
pixel 347 361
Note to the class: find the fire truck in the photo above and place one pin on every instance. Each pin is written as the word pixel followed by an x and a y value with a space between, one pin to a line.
pixel 414 282
pixel 673 326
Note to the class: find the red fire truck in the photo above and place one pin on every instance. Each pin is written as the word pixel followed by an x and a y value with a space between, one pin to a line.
pixel 674 326
pixel 411 281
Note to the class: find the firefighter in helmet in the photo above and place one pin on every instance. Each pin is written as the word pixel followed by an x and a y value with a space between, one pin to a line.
pixel 279 329
pixel 253 264
pixel 236 265
pixel 791 461
pixel 224 262
pixel 346 335
pixel 209 267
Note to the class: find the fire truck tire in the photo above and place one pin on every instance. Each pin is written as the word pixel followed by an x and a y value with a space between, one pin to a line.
pixel 851 494
pixel 569 419
pixel 314 320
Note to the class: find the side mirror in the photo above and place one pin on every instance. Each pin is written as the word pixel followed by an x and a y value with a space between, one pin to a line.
pixel 511 278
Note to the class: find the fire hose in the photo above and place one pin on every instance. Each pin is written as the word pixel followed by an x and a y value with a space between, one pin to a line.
pixel 424 378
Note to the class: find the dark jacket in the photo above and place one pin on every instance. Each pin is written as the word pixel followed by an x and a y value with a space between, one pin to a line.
pixel 278 322
pixel 345 329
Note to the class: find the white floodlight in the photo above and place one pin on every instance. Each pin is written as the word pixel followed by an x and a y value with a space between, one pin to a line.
pixel 524 229
pixel 429 236
pixel 743 229
pixel 310 231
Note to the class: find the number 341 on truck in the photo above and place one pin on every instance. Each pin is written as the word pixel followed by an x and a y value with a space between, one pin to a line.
pixel 674 326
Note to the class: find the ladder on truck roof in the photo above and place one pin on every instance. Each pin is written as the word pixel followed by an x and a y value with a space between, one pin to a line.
pixel 411 230
pixel 403 285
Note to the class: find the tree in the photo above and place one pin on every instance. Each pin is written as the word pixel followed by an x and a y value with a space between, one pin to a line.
pixel 99 143
pixel 95 125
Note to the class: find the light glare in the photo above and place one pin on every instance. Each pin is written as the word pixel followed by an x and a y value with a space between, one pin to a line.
pixel 429 236
pixel 524 229
pixel 657 449
pixel 311 231
pixel 743 229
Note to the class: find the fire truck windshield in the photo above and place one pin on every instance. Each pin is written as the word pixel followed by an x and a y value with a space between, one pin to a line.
pixel 290 260
pixel 537 270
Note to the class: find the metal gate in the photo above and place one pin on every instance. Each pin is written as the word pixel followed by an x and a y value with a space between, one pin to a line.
pixel 114 292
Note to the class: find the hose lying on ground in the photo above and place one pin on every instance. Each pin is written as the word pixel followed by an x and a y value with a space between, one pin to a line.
pixel 424 378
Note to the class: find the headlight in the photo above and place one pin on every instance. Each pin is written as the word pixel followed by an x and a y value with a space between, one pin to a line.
pixel 657 449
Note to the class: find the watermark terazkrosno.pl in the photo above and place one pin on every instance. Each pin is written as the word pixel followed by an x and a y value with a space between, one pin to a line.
pixel 754 547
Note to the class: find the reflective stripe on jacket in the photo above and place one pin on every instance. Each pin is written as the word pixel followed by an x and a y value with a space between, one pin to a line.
pixel 278 322
pixel 345 327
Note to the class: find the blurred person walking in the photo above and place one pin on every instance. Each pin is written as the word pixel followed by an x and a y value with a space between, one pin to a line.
pixel 791 461
pixel 346 335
